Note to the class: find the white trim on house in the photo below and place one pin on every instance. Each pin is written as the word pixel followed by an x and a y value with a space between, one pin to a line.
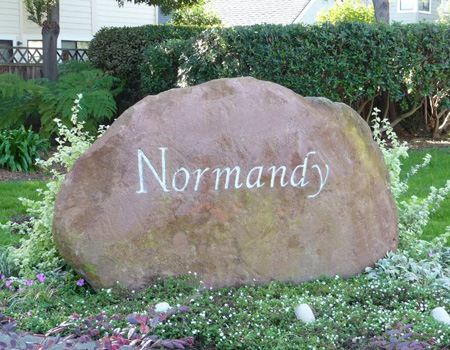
pixel 444 6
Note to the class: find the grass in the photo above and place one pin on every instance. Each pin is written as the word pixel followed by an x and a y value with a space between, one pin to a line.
pixel 10 206
pixel 435 174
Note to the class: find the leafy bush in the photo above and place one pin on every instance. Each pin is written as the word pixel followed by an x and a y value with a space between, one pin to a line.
pixel 347 11
pixel 39 251
pixel 118 51
pixel 417 261
pixel 19 149
pixel 42 100
pixel 160 72
pixel 401 68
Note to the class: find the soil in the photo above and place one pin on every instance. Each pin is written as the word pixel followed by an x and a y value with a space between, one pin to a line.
pixel 38 175
pixel 43 175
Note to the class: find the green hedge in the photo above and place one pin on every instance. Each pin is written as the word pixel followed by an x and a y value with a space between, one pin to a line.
pixel 118 51
pixel 403 69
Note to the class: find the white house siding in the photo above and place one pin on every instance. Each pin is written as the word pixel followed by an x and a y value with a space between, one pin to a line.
pixel 76 20
pixel 9 20
pixel 111 15
pixel 79 19
pixel 309 14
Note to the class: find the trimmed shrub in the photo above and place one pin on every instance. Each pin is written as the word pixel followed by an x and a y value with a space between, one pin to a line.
pixel 403 69
pixel 118 51
pixel 160 72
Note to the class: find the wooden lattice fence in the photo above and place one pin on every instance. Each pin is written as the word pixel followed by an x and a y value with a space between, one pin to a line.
pixel 28 61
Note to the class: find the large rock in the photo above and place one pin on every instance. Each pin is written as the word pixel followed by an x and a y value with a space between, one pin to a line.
pixel 237 180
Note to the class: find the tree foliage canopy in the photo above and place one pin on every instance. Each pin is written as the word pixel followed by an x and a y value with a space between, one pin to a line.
pixel 166 5
pixel 347 11
pixel 196 15
pixel 39 10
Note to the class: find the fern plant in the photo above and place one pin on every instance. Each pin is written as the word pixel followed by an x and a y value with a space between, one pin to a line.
pixel 43 100
pixel 97 104
pixel 19 100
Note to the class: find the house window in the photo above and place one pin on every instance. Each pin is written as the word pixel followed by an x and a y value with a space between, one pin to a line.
pixel 424 5
pixel 34 51
pixel 406 5
pixel 70 49
pixel 5 51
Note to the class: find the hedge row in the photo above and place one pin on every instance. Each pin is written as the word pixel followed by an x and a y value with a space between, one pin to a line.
pixel 118 51
pixel 403 69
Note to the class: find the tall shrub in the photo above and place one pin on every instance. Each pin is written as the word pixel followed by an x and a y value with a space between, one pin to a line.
pixel 118 51
pixel 403 69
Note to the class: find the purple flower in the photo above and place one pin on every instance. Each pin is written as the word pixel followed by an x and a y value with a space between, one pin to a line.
pixel 41 277
pixel 28 283
pixel 3 277
pixel 431 255
pixel 29 313
pixel 80 283
pixel 8 283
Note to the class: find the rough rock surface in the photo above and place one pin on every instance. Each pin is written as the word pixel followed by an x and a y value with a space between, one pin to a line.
pixel 153 196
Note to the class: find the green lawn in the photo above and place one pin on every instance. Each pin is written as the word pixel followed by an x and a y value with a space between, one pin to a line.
pixel 11 206
pixel 435 174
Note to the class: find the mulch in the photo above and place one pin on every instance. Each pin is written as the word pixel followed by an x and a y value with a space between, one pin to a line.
pixel 41 175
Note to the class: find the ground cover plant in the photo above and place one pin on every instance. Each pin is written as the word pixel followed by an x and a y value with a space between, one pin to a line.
pixel 386 307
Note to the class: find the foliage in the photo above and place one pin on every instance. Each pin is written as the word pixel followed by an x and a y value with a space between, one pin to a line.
pixel 399 338
pixel 349 313
pixel 160 70
pixel 402 68
pixel 74 67
pixel 39 10
pixel 118 51
pixel 6 266
pixel 19 149
pixel 97 106
pixel 42 101
pixel 444 14
pixel 39 250
pixel 19 100
pixel 197 15
pixel 347 11
pixel 417 261
pixel 165 5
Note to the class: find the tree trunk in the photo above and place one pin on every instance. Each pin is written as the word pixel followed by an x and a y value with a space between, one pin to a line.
pixel 50 33
pixel 381 8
